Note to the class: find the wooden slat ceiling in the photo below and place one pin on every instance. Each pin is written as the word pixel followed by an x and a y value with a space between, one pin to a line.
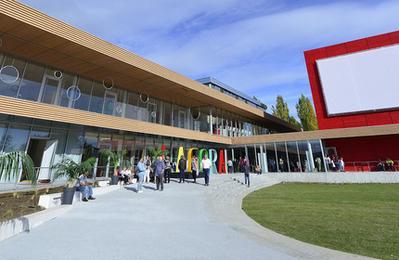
pixel 30 34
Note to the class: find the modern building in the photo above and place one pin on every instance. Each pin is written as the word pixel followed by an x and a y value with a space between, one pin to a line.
pixel 66 94
pixel 224 88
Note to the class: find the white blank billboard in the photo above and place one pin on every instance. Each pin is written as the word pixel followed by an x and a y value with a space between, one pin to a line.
pixel 362 81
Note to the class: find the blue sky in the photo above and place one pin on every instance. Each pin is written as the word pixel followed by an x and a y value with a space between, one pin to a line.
pixel 255 46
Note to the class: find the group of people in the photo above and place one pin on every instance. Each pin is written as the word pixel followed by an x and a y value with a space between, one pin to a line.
pixel 387 165
pixel 334 163
pixel 162 169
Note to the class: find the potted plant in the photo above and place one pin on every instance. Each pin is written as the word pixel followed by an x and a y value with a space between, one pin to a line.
pixel 115 159
pixel 12 163
pixel 72 170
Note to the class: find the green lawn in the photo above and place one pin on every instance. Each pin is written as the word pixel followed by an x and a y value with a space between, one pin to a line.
pixel 356 218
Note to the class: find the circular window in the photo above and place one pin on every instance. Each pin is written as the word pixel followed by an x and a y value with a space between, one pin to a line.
pixel 73 93
pixel 144 98
pixel 153 114
pixel 108 83
pixel 9 74
pixel 57 74
pixel 195 113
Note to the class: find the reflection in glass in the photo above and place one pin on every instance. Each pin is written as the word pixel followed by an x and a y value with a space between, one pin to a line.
pixel 39 132
pixel 9 86
pixel 3 130
pixel 304 155
pixel 85 89
pixel 50 90
pixel 16 138
pixel 109 102
pixel 271 157
pixel 66 82
pixel 74 145
pixel 293 157
pixel 132 110
pixel 60 136
pixel 317 155
pixel 282 159
pixel 97 98
pixel 32 82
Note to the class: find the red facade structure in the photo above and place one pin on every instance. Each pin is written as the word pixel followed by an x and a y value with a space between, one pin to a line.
pixel 354 149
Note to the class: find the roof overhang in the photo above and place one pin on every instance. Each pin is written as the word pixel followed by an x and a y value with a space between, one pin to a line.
pixel 364 131
pixel 30 34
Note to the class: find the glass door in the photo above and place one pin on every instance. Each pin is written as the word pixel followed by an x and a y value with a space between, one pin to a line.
pixel 109 102
pixel 49 90
pixel 182 119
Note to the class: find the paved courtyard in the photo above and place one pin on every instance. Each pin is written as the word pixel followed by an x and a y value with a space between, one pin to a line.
pixel 185 221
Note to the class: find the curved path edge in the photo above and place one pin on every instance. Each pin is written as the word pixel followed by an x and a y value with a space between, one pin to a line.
pixel 226 205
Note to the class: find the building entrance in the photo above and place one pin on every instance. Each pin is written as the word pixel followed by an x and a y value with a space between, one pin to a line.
pixel 42 153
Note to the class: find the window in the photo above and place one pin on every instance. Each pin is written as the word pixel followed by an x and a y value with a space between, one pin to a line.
pixel 97 98
pixel 32 82
pixel 132 110
pixel 3 130
pixel 16 138
pixel 10 73
pixel 85 89
pixel 67 81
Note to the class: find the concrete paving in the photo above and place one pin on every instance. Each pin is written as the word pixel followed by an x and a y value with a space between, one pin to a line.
pixel 185 221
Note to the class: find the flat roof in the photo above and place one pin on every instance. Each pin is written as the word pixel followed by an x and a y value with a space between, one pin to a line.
pixel 230 89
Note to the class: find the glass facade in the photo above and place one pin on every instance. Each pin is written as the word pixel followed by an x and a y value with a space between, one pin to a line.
pixel 49 143
pixel 31 81
pixel 290 156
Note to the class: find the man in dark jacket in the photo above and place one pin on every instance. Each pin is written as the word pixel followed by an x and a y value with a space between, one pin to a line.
pixel 182 168
pixel 168 167
pixel 245 168
pixel 159 171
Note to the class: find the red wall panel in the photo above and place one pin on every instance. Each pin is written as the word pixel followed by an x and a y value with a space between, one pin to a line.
pixel 359 119
pixel 379 41
pixel 395 117
pixel 357 45
pixel 394 36
pixel 366 149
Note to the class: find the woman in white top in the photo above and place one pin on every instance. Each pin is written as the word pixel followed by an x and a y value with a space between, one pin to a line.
pixel 206 167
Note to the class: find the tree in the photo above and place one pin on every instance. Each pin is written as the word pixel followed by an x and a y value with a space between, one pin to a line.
pixel 281 109
pixel 294 122
pixel 306 114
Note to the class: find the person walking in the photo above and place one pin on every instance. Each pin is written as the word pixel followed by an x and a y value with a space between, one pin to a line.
pixel 159 171
pixel 206 168
pixel 246 168
pixel 141 172
pixel 194 168
pixel 148 169
pixel 168 168
pixel 230 166
pixel 182 168
pixel 341 164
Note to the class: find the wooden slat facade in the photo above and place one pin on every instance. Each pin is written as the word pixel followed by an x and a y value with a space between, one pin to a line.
pixel 30 109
